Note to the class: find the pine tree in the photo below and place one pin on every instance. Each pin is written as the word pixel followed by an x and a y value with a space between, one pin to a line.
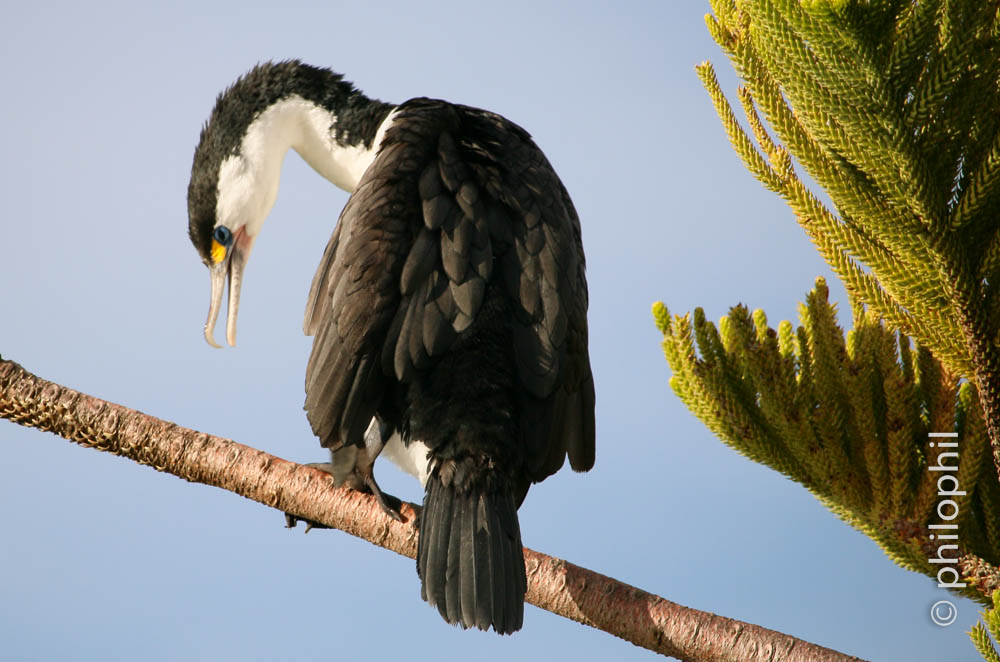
pixel 892 107
pixel 990 625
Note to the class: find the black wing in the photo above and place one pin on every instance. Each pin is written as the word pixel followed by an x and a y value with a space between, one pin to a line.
pixel 456 197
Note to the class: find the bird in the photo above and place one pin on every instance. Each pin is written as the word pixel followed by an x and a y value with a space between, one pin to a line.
pixel 448 312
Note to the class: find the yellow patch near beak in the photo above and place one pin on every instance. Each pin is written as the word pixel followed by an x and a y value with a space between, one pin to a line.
pixel 218 252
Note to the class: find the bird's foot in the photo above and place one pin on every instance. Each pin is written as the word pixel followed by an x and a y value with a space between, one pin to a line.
pixel 291 520
pixel 384 499
pixel 360 480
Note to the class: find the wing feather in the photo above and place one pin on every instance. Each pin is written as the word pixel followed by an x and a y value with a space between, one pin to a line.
pixel 455 198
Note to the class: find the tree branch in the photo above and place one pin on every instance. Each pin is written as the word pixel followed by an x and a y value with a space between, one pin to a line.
pixel 558 586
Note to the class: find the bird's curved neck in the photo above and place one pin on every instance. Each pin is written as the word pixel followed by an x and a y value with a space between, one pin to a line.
pixel 311 130
pixel 248 180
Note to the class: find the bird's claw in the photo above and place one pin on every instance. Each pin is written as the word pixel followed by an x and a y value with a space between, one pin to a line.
pixel 360 479
pixel 291 520
pixel 385 499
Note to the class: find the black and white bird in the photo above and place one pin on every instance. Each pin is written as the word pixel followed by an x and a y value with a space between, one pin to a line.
pixel 448 311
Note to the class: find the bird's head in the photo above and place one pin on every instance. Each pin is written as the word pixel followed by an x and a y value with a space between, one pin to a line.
pixel 225 214
pixel 237 164
pixel 234 183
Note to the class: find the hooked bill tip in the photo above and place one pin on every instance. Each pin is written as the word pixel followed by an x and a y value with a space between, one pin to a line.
pixel 209 339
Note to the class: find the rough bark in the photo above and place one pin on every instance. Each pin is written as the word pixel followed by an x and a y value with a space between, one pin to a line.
pixel 556 585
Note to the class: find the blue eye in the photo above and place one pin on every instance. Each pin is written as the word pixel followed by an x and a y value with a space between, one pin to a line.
pixel 222 235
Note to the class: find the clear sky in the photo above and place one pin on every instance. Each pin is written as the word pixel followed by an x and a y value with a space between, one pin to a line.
pixel 101 558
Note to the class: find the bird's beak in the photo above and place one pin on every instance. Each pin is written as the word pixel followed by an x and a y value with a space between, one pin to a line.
pixel 232 266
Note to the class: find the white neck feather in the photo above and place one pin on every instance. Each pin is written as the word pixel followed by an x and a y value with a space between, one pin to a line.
pixel 248 182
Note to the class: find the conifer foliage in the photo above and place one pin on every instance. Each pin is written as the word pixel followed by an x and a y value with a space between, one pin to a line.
pixel 892 107
pixel 989 625
pixel 848 417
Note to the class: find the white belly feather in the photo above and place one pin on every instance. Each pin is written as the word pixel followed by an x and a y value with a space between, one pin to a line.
pixel 410 458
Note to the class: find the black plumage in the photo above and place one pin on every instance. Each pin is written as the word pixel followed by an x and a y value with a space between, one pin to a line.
pixel 450 305
pixel 489 369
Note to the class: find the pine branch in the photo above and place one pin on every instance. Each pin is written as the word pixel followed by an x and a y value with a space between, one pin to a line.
pixel 848 418
pixel 555 585
pixel 894 113
pixel 989 625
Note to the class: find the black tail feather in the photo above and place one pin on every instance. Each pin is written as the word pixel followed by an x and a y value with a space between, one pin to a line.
pixel 469 556
pixel 432 555
pixel 452 577
pixel 467 571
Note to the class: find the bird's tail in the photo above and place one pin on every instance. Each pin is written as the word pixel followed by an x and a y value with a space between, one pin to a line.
pixel 469 556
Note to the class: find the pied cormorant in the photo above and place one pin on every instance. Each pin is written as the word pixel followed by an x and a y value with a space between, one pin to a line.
pixel 448 312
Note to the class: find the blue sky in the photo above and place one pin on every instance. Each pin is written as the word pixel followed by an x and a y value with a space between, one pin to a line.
pixel 105 559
